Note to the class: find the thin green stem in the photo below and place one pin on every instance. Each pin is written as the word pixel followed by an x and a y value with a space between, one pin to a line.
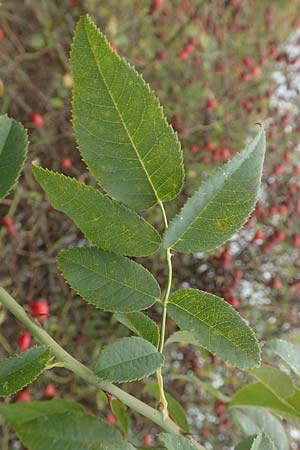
pixel 69 362
pixel 160 382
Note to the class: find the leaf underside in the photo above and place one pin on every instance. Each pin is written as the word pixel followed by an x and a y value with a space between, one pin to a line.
pixel 13 151
pixel 108 281
pixel 222 204
pixel 216 325
pixel 105 223
pixel 128 359
pixel 119 125
pixel 18 371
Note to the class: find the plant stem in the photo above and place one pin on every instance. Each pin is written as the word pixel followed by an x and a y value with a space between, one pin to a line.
pixel 69 362
pixel 160 382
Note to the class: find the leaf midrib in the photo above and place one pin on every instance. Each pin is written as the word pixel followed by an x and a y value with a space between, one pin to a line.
pixel 128 361
pixel 122 120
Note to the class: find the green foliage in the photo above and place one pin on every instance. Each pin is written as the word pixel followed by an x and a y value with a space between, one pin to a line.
pixel 175 409
pixel 119 410
pixel 174 442
pixel 20 370
pixel 257 394
pixel 122 133
pixel 221 205
pixel 262 442
pixel 216 325
pixel 106 223
pixel 128 359
pixel 278 382
pixel 13 152
pixel 289 352
pixel 107 280
pixel 140 324
pixel 255 420
pixel 60 425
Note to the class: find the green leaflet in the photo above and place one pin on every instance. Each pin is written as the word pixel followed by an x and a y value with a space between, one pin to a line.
pixel 255 420
pixel 175 442
pixel 278 382
pixel 68 430
pixel 289 352
pixel 13 152
pixel 108 281
pixel 119 125
pixel 104 222
pixel 216 325
pixel 175 409
pixel 119 410
pixel 140 324
pixel 221 205
pixel 257 394
pixel 262 442
pixel 21 413
pixel 128 359
pixel 20 370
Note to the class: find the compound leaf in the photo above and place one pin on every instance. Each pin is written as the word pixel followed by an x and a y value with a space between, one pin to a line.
pixel 216 326
pixel 119 125
pixel 140 324
pixel 222 204
pixel 20 370
pixel 104 222
pixel 128 359
pixel 108 281
pixel 13 152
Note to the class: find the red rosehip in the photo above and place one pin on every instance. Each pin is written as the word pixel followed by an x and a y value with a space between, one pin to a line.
pixel 279 170
pixel 219 408
pixel 211 104
pixel 256 72
pixel 259 236
pixel 296 241
pixel 110 418
pixel 279 235
pixel 147 440
pixel 24 341
pixel 10 226
pixel 39 309
pixel 194 148
pixel 296 169
pixel 247 61
pixel 37 120
pixel 7 221
pixel 23 396
pixel 66 163
pixel 49 390
pixel 234 302
pixel 205 433
pixel 155 6
pixel 1 33
pixel 276 283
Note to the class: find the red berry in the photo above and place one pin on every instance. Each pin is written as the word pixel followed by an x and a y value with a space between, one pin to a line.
pixel 256 72
pixel 296 241
pixel 219 408
pixel 279 235
pixel 23 396
pixel 110 418
pixel 259 236
pixel 7 221
pixel 24 341
pixel 234 302
pixel 39 309
pixel 49 390
pixel 1 33
pixel 66 163
pixel 211 104
pixel 194 148
pixel 276 283
pixel 205 433
pixel 147 440
pixel 37 120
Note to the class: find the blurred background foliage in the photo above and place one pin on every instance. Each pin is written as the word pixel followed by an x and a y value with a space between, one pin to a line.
pixel 218 67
